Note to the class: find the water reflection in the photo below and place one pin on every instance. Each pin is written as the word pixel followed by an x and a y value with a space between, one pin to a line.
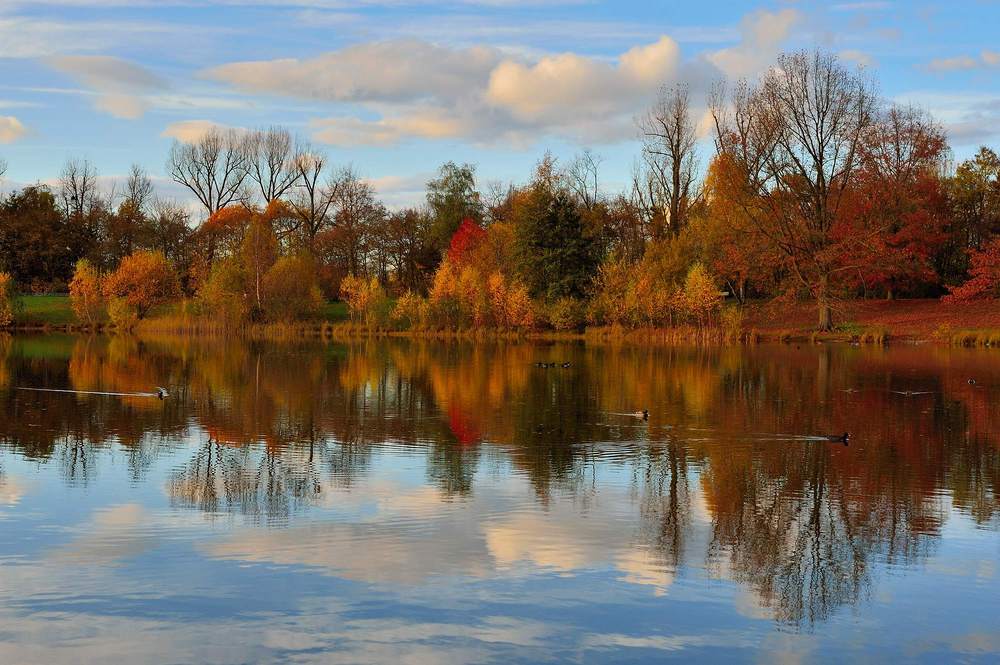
pixel 389 463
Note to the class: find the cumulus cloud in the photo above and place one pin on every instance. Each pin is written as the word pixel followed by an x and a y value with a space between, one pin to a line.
pixel 985 60
pixel 392 71
pixel 120 85
pixel 11 129
pixel 412 89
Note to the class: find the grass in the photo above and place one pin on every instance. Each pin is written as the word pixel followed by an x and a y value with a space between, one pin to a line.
pixel 51 310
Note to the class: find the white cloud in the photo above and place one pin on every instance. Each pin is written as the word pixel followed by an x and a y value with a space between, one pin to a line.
pixel 11 129
pixel 120 85
pixel 985 60
pixel 763 33
pixel 189 131
pixel 391 71
pixel 858 57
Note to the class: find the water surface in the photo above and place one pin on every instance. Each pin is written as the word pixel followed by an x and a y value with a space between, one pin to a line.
pixel 404 501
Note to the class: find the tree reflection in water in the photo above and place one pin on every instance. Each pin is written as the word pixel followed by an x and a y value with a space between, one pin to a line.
pixel 266 431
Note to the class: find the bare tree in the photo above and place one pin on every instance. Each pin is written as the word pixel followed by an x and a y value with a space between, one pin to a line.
pixel 795 140
pixel 358 216
pixel 582 177
pixel 138 192
pixel 3 168
pixel 664 186
pixel 272 162
pixel 78 189
pixel 316 192
pixel 213 168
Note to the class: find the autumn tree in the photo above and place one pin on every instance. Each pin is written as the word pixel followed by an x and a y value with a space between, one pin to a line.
pixel 142 281
pixel 452 196
pixel 796 137
pixel 984 281
pixel 85 293
pixel 258 251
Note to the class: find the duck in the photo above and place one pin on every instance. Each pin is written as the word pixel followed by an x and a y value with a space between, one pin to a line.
pixel 842 438
pixel 566 365
pixel 644 414
pixel 972 382
pixel 162 393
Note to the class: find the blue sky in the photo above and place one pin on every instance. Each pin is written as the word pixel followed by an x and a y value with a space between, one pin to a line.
pixel 396 87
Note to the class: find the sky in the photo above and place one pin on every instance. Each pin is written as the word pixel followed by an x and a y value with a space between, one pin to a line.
pixel 397 87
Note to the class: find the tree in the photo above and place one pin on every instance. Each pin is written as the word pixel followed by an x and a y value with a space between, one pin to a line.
pixel 985 275
pixel 452 197
pixel 974 194
pixel 142 281
pixel 796 139
pixel 558 257
pixel 78 189
pixel 258 252
pixel 85 293
pixel 272 162
pixel 37 246
pixel 409 251
pixel 899 202
pixel 290 289
pixel 357 216
pixel 664 185
pixel 3 168
pixel 213 168
pixel 10 302
pixel 314 198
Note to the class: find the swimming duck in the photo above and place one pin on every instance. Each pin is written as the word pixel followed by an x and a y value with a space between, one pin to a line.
pixel 162 393
pixel 843 438
pixel 644 414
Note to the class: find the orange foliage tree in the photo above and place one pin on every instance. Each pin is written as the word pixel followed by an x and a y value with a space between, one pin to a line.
pixel 142 281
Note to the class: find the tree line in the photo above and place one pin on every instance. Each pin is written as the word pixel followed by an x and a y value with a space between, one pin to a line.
pixel 815 188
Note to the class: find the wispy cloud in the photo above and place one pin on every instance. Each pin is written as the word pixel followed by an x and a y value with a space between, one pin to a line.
pixel 120 85
pixel 986 59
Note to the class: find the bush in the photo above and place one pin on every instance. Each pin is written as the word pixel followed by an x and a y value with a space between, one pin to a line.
pixel 10 301
pixel 984 281
pixel 367 301
pixel 567 314
pixel 701 295
pixel 143 280
pixel 410 312
pixel 122 314
pixel 85 294
pixel 223 296
pixel 290 290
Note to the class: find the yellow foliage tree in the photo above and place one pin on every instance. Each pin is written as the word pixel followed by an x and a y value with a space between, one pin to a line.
pixel 701 295
pixel 85 293
pixel 291 291
pixel 9 302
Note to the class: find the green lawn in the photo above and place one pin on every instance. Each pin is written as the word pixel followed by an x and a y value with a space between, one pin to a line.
pixel 55 310
pixel 50 309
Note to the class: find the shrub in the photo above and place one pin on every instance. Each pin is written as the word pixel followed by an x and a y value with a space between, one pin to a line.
pixel 701 295
pixel 567 314
pixel 290 290
pixel 122 313
pixel 510 305
pixel 613 292
pixel 223 296
pixel 409 312
pixel 10 302
pixel 143 280
pixel 85 293
pixel 367 301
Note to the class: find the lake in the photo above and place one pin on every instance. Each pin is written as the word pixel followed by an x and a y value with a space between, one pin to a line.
pixel 413 501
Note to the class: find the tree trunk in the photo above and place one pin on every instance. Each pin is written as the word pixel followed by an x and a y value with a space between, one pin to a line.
pixel 823 301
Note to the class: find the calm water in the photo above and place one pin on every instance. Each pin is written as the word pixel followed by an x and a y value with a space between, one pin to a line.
pixel 428 502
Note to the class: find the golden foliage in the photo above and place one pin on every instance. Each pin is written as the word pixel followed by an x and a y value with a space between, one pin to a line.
pixel 143 280
pixel 9 301
pixel 85 293
pixel 290 290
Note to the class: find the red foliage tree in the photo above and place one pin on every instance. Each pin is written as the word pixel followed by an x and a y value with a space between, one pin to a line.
pixel 985 275
pixel 465 241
